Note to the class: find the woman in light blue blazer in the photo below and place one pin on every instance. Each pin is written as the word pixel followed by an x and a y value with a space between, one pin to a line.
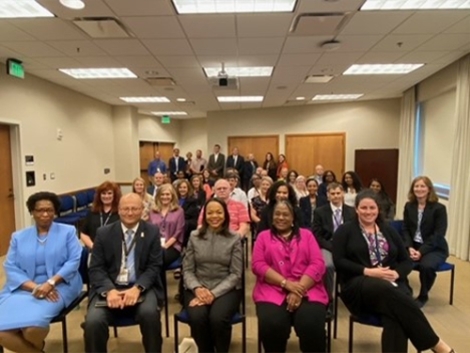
pixel 41 268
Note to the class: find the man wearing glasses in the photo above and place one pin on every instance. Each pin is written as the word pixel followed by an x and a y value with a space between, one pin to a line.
pixel 125 278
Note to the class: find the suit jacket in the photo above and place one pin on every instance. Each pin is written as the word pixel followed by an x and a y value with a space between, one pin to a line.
pixel 306 207
pixel 174 168
pixel 107 255
pixel 239 166
pixel 249 170
pixel 323 224
pixel 217 166
pixel 433 227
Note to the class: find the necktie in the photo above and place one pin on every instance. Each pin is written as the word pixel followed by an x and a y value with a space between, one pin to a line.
pixel 337 219
pixel 130 257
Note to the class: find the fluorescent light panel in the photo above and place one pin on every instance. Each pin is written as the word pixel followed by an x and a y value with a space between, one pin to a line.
pixel 22 9
pixel 336 97
pixel 381 69
pixel 416 5
pixel 99 73
pixel 254 71
pixel 145 99
pixel 238 99
pixel 233 6
pixel 169 113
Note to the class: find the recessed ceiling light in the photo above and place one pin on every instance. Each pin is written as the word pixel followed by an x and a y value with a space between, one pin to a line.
pixel 381 69
pixel 145 99
pixel 22 8
pixel 336 97
pixel 416 5
pixel 238 99
pixel 181 99
pixel 299 98
pixel 99 73
pixel 73 4
pixel 318 79
pixel 233 6
pixel 254 71
pixel 173 113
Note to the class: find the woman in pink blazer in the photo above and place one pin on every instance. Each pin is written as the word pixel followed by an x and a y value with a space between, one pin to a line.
pixel 289 290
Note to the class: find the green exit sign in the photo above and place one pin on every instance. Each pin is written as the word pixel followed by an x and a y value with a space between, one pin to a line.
pixel 166 119
pixel 15 68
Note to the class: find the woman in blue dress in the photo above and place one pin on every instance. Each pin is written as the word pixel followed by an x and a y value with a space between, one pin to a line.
pixel 42 276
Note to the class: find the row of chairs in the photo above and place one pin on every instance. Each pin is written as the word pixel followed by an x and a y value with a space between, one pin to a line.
pixel 74 208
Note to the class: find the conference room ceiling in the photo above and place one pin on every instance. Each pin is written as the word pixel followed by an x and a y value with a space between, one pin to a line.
pixel 163 44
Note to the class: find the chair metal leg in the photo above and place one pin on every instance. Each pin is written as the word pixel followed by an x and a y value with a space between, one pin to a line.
pixel 175 325
pixel 244 335
pixel 64 336
pixel 328 336
pixel 452 277
pixel 259 341
pixel 335 313
pixel 115 331
pixel 165 294
pixel 351 334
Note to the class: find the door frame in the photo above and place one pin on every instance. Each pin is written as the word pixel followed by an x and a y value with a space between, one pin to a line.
pixel 22 219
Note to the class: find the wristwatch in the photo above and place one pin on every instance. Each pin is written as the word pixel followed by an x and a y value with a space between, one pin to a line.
pixel 51 282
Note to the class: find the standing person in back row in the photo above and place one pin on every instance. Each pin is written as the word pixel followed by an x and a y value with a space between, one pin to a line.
pixel 237 162
pixel 176 164
pixel 216 163
pixel 156 166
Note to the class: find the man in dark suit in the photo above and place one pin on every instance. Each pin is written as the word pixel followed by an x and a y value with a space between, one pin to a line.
pixel 125 278
pixel 175 164
pixel 237 162
pixel 326 219
pixel 158 180
pixel 216 163
pixel 248 171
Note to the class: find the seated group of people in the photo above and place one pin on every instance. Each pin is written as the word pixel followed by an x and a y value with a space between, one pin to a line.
pixel 129 251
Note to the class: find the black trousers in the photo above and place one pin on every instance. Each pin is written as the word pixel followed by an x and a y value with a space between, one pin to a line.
pixel 170 255
pixel 275 325
pixel 427 266
pixel 402 319
pixel 147 315
pixel 211 325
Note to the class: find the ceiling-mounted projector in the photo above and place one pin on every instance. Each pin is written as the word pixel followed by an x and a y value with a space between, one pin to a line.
pixel 223 81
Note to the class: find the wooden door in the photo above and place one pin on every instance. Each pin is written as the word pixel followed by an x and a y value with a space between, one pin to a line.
pixel 304 152
pixel 380 164
pixel 147 154
pixel 258 145
pixel 7 206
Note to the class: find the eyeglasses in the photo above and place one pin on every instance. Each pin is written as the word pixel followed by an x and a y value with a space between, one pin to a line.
pixel 130 210
pixel 44 210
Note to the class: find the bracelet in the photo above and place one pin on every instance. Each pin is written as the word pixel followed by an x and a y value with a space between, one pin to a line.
pixel 283 283
pixel 35 289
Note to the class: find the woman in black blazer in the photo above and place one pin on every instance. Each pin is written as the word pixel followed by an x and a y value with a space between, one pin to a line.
pixel 328 178
pixel 424 230
pixel 190 206
pixel 372 265
pixel 308 203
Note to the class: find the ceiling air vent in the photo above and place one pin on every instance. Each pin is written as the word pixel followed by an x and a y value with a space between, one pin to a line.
pixel 102 27
pixel 319 24
pixel 160 81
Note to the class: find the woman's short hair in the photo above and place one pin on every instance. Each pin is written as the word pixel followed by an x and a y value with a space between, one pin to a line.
pixel 188 184
pixel 273 191
pixel 310 179
pixel 295 221
pixel 268 179
pixel 369 194
pixel 43 196
pixel 225 230
pixel 174 205
pixel 432 196
pixel 97 205
pixel 135 181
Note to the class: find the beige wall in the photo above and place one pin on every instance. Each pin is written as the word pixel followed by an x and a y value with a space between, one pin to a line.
pixel 194 136
pixel 39 108
pixel 367 124
pixel 150 128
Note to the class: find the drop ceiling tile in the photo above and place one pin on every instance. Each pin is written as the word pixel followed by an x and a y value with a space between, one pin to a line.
pixel 302 45
pixel 188 75
pixel 263 25
pixel 59 63
pixel 8 53
pixel 98 61
pixel 77 48
pixel 214 46
pixel 357 43
pixel 217 60
pixel 257 60
pixel 449 57
pixel 138 61
pixel 430 22
pixel 375 22
pixel 33 49
pixel 179 61
pixel 208 26
pixel 150 71
pixel 401 42
pixel 154 27
pixel 141 7
pixel 334 63
pixel 460 27
pixel 379 57
pixel 418 57
pixel 447 42
pixel 254 46
pixel 122 46
pixel 9 32
pixel 298 59
pixel 256 86
pixel 168 46
pixel 31 64
pixel 289 75
pixel 48 28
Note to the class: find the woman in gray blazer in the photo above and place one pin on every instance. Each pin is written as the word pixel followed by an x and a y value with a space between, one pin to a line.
pixel 212 272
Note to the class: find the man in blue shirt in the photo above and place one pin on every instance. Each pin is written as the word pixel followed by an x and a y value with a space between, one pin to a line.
pixel 156 166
